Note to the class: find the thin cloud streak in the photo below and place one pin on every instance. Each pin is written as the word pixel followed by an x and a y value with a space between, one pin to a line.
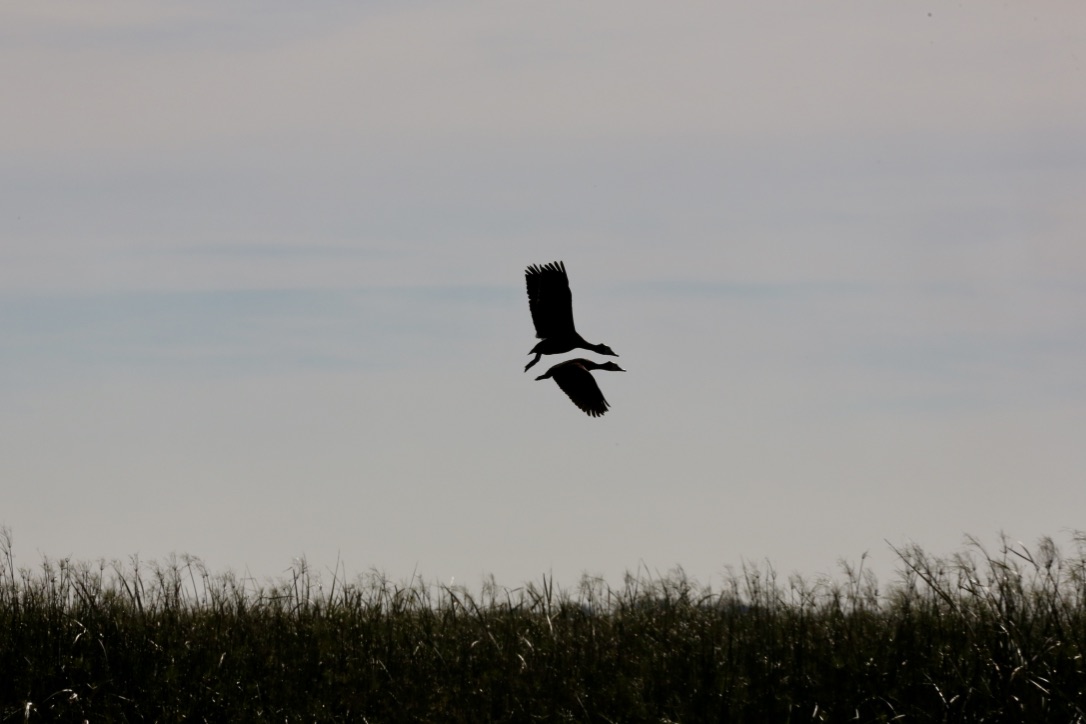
pixel 907 214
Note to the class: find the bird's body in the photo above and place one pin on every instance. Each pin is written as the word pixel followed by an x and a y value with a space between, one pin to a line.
pixel 551 303
pixel 575 378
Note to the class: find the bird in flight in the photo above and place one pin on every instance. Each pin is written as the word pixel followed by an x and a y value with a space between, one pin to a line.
pixel 575 378
pixel 551 303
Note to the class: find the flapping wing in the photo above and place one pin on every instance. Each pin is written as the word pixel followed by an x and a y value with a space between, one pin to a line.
pixel 550 300
pixel 580 385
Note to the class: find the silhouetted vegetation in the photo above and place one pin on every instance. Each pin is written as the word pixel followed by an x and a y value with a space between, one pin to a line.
pixel 976 636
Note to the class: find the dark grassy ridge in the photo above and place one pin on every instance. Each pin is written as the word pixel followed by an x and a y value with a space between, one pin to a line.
pixel 973 637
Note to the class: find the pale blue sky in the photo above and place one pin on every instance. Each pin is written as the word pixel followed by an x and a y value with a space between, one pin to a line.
pixel 261 281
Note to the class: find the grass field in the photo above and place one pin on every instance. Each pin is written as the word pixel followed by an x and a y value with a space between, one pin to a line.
pixel 981 635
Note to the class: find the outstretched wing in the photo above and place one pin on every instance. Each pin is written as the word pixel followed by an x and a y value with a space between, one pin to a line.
pixel 580 385
pixel 550 300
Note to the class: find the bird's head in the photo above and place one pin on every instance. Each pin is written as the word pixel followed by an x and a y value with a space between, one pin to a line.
pixel 604 349
pixel 613 366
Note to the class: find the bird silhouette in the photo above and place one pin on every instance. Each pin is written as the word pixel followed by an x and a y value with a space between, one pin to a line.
pixel 575 378
pixel 551 303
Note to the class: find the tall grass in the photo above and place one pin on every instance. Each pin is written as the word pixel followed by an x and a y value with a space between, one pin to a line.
pixel 977 636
